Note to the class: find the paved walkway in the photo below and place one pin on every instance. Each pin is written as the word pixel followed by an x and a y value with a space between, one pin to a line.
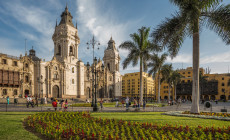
pixel 183 107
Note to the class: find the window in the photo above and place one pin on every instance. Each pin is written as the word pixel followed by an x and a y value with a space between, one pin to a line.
pixel 15 63
pixel 188 80
pixel 72 69
pixel 4 91
pixel 59 50
pixel 26 79
pixel 223 90
pixel 55 68
pixel 188 72
pixel 222 84
pixel 72 81
pixel 71 50
pixel 55 76
pixel 183 72
pixel 15 92
pixel 26 65
pixel 4 61
pixel 222 78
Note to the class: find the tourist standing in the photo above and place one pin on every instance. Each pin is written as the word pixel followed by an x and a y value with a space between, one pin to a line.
pixel 54 104
pixel 8 100
pixel 66 105
pixel 45 100
pixel 127 103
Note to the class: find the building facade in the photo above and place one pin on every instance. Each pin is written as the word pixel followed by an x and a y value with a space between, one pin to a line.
pixel 212 86
pixel 131 85
pixel 65 76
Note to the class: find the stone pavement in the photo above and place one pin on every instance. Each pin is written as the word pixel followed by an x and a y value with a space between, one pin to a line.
pixel 183 107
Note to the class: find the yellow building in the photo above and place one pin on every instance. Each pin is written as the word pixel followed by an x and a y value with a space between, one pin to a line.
pixel 131 85
pixel 186 80
pixel 216 86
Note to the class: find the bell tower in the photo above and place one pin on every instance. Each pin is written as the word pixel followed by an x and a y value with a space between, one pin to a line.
pixel 111 57
pixel 66 38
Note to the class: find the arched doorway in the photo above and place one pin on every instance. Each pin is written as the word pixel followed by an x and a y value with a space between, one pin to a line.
pixel 88 93
pixel 56 92
pixel 206 97
pixel 222 97
pixel 213 97
pixel 166 97
pixel 189 98
pixel 110 93
pixel 27 92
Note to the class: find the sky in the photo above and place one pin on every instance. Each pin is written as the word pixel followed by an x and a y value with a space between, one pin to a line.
pixel 35 21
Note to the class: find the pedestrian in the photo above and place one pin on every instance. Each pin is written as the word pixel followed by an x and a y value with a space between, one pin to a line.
pixel 29 101
pixel 66 105
pixel 135 103
pixel 54 104
pixel 62 104
pixel 36 101
pixel 45 100
pixel 122 102
pixel 179 102
pixel 8 100
pixel 127 102
pixel 144 104
pixel 116 104
pixel 101 103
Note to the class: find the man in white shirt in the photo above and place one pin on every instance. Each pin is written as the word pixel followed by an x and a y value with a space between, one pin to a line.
pixel 29 101
pixel 127 102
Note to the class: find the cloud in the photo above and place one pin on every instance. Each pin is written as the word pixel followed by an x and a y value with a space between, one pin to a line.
pixel 221 57
pixel 181 58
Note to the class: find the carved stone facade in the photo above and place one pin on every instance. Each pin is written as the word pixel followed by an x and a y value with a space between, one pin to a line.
pixel 65 76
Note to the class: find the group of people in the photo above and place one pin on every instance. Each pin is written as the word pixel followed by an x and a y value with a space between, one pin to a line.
pixel 136 103
pixel 33 101
pixel 64 104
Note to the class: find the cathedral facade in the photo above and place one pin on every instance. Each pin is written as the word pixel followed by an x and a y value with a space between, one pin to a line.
pixel 65 76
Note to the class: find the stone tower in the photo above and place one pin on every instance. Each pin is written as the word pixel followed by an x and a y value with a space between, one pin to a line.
pixel 66 39
pixel 66 43
pixel 112 61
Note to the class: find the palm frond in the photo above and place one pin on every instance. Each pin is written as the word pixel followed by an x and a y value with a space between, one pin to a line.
pixel 128 45
pixel 171 33
pixel 218 21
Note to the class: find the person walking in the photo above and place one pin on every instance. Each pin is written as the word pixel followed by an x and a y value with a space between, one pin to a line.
pixel 54 104
pixel 29 101
pixel 8 100
pixel 66 105
pixel 45 100
pixel 127 103
pixel 101 103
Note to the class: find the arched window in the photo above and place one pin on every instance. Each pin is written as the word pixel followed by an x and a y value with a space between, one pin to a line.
pixel 26 65
pixel 108 66
pixel 26 79
pixel 55 76
pixel 15 92
pixel 70 50
pixel 55 68
pixel 4 91
pixel 59 50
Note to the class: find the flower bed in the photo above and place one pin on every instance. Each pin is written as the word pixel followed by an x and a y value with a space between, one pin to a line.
pixel 204 115
pixel 210 114
pixel 80 125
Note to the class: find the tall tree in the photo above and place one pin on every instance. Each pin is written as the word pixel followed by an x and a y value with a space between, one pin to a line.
pixel 155 65
pixel 167 71
pixel 186 22
pixel 139 50
pixel 176 78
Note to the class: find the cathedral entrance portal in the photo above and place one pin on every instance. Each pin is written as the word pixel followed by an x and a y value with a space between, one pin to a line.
pixel 56 92
pixel 27 92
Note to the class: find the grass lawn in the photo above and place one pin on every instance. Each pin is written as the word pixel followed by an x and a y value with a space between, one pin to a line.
pixel 11 127
pixel 156 117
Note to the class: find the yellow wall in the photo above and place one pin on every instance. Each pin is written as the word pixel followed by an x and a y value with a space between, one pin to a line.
pixel 131 85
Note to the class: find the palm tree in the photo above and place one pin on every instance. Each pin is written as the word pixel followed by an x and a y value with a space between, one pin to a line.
pixel 186 22
pixel 155 65
pixel 176 78
pixel 139 49
pixel 167 71
pixel 202 81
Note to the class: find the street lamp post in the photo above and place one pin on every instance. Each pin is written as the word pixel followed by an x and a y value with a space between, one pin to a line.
pixel 95 73
pixel 92 42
